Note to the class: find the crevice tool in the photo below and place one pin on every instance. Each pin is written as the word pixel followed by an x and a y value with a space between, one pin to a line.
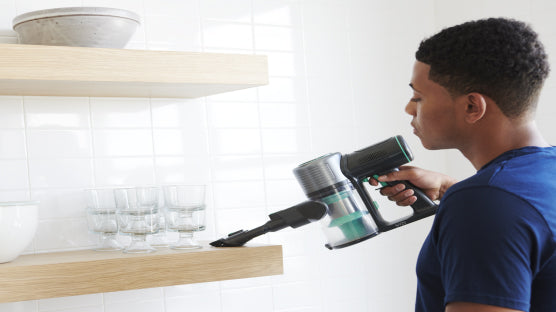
pixel 295 216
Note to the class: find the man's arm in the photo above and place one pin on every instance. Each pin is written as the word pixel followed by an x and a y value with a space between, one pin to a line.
pixel 434 184
pixel 475 307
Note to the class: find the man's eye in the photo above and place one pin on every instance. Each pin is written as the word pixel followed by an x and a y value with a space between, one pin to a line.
pixel 415 100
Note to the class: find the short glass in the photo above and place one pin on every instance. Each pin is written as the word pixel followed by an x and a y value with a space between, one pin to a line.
pixel 138 215
pixel 185 213
pixel 102 219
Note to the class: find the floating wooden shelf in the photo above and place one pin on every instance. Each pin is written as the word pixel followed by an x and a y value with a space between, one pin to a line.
pixel 61 274
pixel 99 72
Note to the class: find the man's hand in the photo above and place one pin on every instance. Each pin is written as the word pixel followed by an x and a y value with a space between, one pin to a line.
pixel 434 184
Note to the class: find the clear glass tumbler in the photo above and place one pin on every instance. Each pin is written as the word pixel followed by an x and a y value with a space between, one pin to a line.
pixel 138 215
pixel 101 218
pixel 185 213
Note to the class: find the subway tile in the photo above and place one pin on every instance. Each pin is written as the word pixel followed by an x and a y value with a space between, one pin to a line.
pixel 183 9
pixel 60 203
pixel 223 10
pixel 278 38
pixel 252 299
pixel 284 63
pixel 127 171
pixel 145 305
pixel 286 141
pixel 281 166
pixel 324 15
pixel 135 142
pixel 24 6
pixel 15 195
pixel 332 140
pixel 74 303
pixel 190 289
pixel 182 170
pixel 14 174
pixel 132 5
pixel 227 35
pixel 233 115
pixel 11 112
pixel 284 89
pixel 179 33
pixel 298 295
pixel 244 95
pixel 56 112
pixel 235 141
pixel 237 168
pixel 120 113
pixel 173 142
pixel 283 192
pixel 21 306
pixel 60 172
pixel 128 296
pixel 277 12
pixel 246 283
pixel 199 299
pixel 239 194
pixel 12 144
pixel 178 113
pixel 7 13
pixel 62 234
pixel 284 115
pixel 298 269
pixel 59 143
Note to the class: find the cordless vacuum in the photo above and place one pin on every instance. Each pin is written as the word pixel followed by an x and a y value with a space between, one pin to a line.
pixel 336 187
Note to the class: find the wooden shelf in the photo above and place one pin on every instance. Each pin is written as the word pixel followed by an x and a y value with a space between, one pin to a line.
pixel 99 72
pixel 61 274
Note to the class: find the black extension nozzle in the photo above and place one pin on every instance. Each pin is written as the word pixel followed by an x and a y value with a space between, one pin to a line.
pixel 295 217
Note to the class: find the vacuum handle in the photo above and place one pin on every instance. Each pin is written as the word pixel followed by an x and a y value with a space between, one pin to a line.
pixel 423 204
pixel 422 208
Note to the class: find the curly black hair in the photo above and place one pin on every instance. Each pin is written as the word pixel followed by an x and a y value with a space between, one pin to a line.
pixel 500 58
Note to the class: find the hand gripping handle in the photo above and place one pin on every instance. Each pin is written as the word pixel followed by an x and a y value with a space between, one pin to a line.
pixel 424 205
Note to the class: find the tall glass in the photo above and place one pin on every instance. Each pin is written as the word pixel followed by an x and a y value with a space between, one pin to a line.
pixel 138 216
pixel 101 218
pixel 185 213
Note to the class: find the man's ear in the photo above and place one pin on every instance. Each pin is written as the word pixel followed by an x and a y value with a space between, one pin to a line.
pixel 476 106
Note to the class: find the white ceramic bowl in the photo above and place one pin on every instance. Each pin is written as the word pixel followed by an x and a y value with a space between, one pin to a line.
pixel 77 26
pixel 18 224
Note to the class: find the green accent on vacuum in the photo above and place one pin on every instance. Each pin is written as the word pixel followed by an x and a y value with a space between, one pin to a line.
pixel 336 197
pixel 381 183
pixel 351 225
pixel 403 151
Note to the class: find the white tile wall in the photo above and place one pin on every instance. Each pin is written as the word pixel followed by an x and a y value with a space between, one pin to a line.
pixel 338 81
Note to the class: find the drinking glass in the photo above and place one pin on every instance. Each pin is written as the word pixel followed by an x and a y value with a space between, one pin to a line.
pixel 185 213
pixel 101 218
pixel 138 215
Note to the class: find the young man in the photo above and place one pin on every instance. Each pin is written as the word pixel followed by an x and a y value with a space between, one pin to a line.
pixel 492 246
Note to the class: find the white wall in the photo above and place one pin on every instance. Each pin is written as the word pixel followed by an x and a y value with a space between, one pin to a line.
pixel 338 81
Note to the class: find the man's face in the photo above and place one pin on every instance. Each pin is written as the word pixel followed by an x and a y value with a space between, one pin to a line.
pixel 433 110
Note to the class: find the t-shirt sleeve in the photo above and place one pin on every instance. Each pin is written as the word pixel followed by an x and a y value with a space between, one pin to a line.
pixel 486 241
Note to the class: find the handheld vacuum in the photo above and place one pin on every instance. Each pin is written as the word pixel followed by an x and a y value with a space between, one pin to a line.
pixel 335 185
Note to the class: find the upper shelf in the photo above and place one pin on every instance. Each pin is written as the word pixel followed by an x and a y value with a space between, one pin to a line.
pixel 99 72
pixel 61 274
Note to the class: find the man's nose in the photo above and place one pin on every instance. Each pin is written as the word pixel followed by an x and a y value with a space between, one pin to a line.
pixel 410 108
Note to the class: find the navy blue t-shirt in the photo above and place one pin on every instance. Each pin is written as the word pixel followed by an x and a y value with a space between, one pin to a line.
pixel 493 240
